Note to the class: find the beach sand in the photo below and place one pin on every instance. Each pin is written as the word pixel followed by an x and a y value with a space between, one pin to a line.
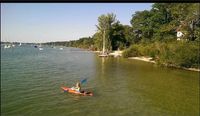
pixel 149 59
pixel 142 58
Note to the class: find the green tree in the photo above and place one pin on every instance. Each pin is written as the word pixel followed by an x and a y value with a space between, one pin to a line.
pixel 104 27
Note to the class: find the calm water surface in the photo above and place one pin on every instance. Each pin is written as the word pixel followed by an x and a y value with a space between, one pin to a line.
pixel 31 80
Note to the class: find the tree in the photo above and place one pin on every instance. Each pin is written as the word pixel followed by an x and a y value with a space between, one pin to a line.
pixel 117 36
pixel 128 35
pixel 104 27
pixel 142 21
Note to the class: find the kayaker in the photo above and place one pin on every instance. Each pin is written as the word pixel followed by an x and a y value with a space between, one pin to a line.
pixel 77 88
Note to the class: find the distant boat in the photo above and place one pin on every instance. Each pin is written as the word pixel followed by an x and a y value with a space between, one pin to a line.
pixel 61 48
pixel 40 48
pixel 13 45
pixel 7 46
pixel 20 44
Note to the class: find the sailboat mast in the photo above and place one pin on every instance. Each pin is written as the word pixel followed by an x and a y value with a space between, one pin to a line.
pixel 104 41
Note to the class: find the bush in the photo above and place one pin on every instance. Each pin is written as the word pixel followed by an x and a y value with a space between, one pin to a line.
pixel 183 54
pixel 187 55
pixel 132 51
pixel 176 53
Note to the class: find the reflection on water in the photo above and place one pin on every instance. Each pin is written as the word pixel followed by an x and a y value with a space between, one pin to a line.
pixel 102 65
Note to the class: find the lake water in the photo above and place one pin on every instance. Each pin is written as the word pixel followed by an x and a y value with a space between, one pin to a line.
pixel 31 81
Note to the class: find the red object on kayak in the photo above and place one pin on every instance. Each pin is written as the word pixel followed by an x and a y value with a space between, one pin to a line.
pixel 67 89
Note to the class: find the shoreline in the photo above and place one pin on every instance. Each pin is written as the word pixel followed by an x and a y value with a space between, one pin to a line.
pixel 149 59
pixel 146 59
pixel 117 53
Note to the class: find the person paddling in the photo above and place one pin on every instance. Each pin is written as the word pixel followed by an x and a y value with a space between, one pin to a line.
pixel 77 87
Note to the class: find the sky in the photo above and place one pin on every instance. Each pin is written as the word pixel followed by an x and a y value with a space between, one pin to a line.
pixel 47 22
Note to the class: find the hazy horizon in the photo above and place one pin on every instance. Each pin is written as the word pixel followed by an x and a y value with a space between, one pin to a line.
pixel 51 22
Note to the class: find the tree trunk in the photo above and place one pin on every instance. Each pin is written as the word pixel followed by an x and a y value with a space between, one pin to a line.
pixel 104 41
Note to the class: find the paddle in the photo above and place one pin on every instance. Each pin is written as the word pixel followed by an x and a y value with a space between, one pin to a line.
pixel 83 81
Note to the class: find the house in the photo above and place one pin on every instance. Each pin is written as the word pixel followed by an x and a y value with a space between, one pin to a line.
pixel 179 33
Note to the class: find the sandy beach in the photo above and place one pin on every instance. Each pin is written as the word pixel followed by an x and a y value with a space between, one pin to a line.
pixel 149 59
pixel 116 53
pixel 146 59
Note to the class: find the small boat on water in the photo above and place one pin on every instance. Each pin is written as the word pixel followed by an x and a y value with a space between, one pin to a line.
pixel 7 46
pixel 61 48
pixel 40 48
pixel 20 44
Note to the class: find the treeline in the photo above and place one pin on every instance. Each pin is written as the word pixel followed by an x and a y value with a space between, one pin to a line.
pixel 152 33
pixel 158 24
pixel 157 30
pixel 84 43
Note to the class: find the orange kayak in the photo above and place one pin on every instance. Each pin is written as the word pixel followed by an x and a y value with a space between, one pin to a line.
pixel 69 90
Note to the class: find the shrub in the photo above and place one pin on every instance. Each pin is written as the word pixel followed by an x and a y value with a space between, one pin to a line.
pixel 132 51
pixel 175 53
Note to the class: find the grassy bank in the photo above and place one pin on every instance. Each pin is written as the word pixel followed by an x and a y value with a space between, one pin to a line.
pixel 177 53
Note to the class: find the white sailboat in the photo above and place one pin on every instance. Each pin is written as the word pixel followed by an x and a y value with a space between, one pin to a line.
pixel 20 44
pixel 40 47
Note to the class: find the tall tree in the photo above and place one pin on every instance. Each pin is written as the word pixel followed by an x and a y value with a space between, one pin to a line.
pixel 104 27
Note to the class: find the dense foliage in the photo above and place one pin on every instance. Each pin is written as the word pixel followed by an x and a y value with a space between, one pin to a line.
pixel 152 33
pixel 183 54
